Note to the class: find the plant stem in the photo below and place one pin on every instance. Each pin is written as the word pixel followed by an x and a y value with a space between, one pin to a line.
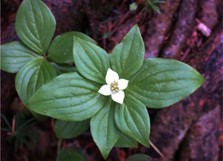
pixel 156 149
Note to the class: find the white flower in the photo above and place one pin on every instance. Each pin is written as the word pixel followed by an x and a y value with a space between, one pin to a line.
pixel 114 86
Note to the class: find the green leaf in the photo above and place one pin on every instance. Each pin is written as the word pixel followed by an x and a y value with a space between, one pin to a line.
pixel 70 129
pixel 68 97
pixel 126 142
pixel 6 121
pixel 63 68
pixel 32 76
pixel 35 25
pixel 91 60
pixel 138 157
pixel 60 49
pixel 162 82
pixel 133 120
pixel 70 155
pixel 127 57
pixel 14 55
pixel 153 5
pixel 103 129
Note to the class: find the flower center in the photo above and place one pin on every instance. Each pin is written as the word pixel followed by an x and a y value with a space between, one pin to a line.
pixel 114 87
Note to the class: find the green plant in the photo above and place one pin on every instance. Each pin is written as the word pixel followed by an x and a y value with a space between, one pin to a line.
pixel 36 57
pixel 111 91
pixel 70 154
pixel 153 4
pixel 70 129
pixel 149 4
pixel 20 131
pixel 138 157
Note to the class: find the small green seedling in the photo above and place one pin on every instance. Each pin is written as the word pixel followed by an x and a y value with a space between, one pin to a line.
pixel 20 131
pixel 153 4
pixel 108 92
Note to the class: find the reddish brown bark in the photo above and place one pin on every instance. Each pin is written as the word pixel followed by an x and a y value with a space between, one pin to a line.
pixel 205 132
pixel 159 26
pixel 172 124
pixel 208 14
pixel 184 25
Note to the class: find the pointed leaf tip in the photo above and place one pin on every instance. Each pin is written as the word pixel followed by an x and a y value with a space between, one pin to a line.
pixel 127 57
pixel 133 120
pixel 35 25
pixel 163 82
pixel 103 129
pixel 91 61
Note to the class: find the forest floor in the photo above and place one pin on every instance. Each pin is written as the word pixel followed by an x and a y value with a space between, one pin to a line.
pixel 186 30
